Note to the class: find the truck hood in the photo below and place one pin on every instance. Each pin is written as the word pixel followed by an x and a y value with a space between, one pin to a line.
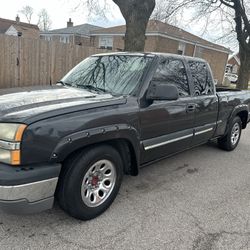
pixel 19 105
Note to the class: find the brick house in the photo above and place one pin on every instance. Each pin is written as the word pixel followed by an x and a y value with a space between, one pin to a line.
pixel 162 37
pixel 78 35
pixel 233 64
pixel 17 28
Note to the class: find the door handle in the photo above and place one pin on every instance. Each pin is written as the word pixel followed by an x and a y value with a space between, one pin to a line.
pixel 190 108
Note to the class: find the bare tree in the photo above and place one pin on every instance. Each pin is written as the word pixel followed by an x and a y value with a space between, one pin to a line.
pixel 28 12
pixel 44 21
pixel 233 16
pixel 136 14
pixel 170 11
pixel 233 13
pixel 227 20
pixel 242 27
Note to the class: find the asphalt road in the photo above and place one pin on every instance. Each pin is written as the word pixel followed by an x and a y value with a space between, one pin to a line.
pixel 196 200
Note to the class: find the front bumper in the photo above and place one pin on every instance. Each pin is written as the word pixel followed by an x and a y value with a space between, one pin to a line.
pixel 28 189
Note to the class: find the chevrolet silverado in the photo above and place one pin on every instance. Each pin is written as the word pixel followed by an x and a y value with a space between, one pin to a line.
pixel 110 115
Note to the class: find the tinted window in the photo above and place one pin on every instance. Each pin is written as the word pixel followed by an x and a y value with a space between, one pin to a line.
pixel 172 71
pixel 203 83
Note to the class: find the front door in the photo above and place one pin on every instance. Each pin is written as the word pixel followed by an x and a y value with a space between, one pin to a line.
pixel 167 126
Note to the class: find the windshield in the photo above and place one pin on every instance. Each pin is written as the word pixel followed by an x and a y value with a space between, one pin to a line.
pixel 115 74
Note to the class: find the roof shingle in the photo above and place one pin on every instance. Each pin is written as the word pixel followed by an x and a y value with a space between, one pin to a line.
pixel 83 29
pixel 6 23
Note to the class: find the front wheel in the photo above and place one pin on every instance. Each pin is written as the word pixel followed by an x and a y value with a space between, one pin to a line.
pixel 90 182
pixel 231 140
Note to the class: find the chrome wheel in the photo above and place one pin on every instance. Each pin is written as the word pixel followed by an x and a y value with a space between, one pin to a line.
pixel 235 135
pixel 98 183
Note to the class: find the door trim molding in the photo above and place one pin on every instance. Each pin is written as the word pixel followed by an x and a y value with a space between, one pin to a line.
pixel 167 142
pixel 167 139
pixel 177 136
pixel 203 131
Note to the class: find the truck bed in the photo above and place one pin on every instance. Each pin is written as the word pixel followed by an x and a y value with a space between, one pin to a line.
pixel 222 89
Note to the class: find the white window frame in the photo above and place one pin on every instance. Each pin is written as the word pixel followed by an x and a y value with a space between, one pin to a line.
pixel 106 42
pixel 64 39
pixel 182 47
pixel 48 38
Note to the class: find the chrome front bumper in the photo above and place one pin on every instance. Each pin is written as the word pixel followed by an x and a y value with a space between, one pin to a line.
pixel 31 192
pixel 34 190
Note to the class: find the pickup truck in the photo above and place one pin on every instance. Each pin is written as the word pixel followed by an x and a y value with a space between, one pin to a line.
pixel 110 115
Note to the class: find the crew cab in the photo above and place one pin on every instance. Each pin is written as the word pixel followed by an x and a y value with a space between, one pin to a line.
pixel 110 115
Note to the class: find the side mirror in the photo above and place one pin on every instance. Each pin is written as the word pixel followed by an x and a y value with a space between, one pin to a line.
pixel 162 91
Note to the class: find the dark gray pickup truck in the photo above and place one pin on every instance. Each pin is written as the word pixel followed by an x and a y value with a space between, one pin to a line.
pixel 110 115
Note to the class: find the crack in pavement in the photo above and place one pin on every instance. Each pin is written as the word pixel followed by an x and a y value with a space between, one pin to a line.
pixel 108 239
pixel 207 240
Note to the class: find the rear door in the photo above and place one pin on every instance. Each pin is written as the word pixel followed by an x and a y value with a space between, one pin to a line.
pixel 167 126
pixel 205 100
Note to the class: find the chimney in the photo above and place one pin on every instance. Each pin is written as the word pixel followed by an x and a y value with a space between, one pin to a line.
pixel 17 19
pixel 69 23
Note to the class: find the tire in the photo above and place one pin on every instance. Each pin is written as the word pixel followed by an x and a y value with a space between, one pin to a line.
pixel 227 143
pixel 90 182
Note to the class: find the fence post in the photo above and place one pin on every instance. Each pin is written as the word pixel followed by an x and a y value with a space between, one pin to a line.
pixel 19 34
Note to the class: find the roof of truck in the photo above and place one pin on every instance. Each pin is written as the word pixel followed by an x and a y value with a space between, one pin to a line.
pixel 151 54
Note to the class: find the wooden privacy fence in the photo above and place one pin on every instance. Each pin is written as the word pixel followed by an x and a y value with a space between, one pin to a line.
pixel 27 62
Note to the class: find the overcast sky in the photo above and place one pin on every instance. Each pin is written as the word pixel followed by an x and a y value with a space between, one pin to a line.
pixel 59 11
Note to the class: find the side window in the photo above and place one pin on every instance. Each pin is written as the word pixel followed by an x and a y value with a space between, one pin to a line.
pixel 203 82
pixel 172 71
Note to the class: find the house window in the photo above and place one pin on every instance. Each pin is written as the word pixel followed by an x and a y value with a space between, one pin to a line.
pixel 106 42
pixel 199 51
pixel 229 68
pixel 64 39
pixel 181 48
pixel 48 38
pixel 235 69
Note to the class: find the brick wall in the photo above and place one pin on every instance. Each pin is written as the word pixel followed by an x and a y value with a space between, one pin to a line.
pixel 216 59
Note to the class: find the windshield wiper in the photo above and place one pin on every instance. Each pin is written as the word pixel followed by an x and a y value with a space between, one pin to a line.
pixel 91 87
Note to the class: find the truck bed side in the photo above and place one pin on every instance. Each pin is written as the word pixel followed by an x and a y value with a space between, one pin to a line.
pixel 231 103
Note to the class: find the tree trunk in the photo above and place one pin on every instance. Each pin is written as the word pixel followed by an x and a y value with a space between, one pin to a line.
pixel 136 14
pixel 244 72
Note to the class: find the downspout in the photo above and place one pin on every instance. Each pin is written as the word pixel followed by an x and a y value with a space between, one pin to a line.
pixel 195 47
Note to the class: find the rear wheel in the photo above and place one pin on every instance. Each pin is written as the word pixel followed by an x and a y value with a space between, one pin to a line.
pixel 231 140
pixel 90 182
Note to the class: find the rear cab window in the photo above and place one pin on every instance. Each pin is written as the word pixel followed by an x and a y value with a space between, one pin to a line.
pixel 202 78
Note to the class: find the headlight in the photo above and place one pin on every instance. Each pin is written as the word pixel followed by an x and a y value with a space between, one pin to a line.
pixel 11 131
pixel 10 140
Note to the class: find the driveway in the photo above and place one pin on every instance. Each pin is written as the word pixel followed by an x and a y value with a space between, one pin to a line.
pixel 196 200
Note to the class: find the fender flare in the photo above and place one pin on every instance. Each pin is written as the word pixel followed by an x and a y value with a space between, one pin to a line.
pixel 88 137
pixel 237 110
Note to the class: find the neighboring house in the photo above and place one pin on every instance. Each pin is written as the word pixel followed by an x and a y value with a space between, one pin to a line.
pixel 233 64
pixel 162 37
pixel 17 28
pixel 79 34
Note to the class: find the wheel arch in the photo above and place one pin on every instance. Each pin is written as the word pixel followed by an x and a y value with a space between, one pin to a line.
pixel 242 112
pixel 124 139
